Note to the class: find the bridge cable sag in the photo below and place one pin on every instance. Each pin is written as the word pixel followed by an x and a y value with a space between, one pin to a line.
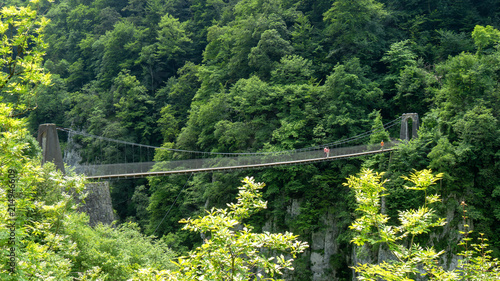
pixel 340 149
pixel 339 142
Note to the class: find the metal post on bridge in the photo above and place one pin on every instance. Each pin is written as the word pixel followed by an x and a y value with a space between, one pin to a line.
pixel 49 142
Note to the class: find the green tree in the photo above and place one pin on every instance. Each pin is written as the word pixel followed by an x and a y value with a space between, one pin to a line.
pixel 116 50
pixel 409 259
pixel 270 49
pixel 116 251
pixel 180 91
pixel 355 26
pixel 50 105
pixel 466 114
pixel 42 236
pixel 133 106
pixel 173 41
pixel 252 42
pixel 373 228
pixel 38 247
pixel 348 96
pixel 304 38
pixel 379 133
pixel 21 57
pixel 407 81
pixel 292 69
pixel 399 56
pixel 230 250
pixel 163 58
pixel 485 37
pixel 168 124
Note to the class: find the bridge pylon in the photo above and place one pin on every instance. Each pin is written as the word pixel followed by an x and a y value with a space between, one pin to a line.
pixel 98 202
pixel 49 142
pixel 405 134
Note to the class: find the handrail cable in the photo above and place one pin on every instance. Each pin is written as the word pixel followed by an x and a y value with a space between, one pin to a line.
pixel 359 136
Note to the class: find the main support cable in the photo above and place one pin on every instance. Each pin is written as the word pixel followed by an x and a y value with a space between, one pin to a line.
pixel 336 143
pixel 356 137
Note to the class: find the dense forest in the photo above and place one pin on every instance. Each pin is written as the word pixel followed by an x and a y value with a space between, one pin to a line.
pixel 256 76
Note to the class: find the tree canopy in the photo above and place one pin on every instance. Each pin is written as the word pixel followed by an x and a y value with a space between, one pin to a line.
pixel 260 76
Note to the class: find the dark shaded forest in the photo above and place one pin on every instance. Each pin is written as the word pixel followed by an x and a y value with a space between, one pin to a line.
pixel 255 76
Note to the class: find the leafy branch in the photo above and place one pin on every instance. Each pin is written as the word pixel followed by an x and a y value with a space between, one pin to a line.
pixel 233 252
pixel 412 260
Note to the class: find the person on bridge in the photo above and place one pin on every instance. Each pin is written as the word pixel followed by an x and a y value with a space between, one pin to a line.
pixel 382 144
pixel 326 150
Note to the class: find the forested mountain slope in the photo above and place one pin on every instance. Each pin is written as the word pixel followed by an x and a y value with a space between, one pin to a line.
pixel 251 75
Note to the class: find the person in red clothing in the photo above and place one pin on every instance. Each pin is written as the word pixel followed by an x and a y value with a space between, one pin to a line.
pixel 326 150
pixel 382 144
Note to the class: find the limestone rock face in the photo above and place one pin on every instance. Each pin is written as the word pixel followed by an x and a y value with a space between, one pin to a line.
pixel 98 203
pixel 323 243
pixel 329 259
pixel 323 247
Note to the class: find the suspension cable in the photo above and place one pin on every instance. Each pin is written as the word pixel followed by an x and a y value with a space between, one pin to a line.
pixel 336 143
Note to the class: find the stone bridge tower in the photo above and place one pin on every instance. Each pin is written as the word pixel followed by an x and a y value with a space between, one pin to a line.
pixel 405 133
pixel 49 142
pixel 98 202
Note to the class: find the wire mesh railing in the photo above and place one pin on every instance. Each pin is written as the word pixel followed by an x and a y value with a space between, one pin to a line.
pixel 180 160
pixel 229 163
pixel 357 139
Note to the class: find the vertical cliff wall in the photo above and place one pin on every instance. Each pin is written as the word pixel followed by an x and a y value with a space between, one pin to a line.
pixel 98 203
pixel 331 255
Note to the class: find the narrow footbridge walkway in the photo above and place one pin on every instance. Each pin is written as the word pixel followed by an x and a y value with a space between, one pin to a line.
pixel 184 161
pixel 145 169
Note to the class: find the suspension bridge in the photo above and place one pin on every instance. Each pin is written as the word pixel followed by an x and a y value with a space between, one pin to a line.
pixel 132 160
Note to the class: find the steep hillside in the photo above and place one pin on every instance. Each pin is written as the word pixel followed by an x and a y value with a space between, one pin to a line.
pixel 253 76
